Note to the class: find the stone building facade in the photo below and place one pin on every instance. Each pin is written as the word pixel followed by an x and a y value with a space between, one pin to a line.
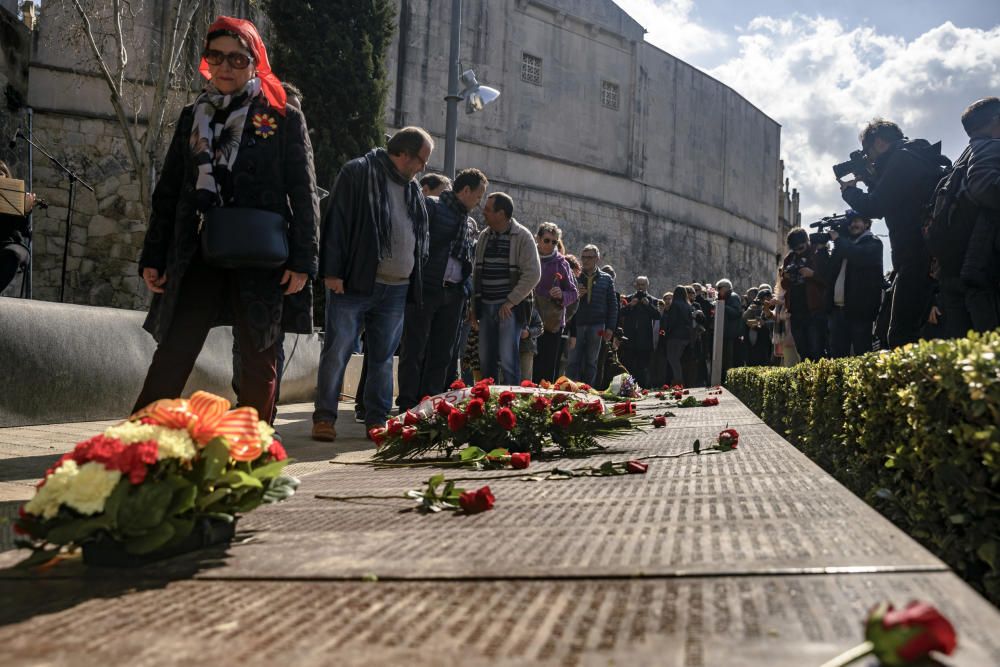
pixel 671 173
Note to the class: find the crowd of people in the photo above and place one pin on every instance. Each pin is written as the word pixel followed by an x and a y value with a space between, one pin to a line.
pixel 407 269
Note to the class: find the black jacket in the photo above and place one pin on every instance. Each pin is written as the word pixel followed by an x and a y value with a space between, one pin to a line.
pixel 348 246
pixel 273 173
pixel 677 321
pixel 733 322
pixel 443 223
pixel 906 175
pixel 637 322
pixel 863 278
pixel 982 187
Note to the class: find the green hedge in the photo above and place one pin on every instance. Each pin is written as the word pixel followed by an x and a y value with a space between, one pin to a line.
pixel 915 432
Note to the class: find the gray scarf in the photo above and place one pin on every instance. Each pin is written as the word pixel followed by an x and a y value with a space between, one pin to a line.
pixel 380 167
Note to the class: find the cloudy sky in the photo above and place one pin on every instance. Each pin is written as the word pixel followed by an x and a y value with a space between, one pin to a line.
pixel 823 70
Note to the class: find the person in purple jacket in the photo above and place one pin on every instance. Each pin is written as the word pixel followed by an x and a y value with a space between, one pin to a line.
pixel 555 291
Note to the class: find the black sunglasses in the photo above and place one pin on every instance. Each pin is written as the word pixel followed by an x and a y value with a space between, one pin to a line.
pixel 547 241
pixel 235 59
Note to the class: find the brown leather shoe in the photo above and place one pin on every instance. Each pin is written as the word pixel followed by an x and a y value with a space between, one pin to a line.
pixel 324 431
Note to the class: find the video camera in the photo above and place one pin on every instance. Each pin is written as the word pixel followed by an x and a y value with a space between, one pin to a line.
pixel 838 223
pixel 857 165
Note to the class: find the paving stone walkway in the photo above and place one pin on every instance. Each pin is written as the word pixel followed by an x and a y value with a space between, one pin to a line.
pixel 753 557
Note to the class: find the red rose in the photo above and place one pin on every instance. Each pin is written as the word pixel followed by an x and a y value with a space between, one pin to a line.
pixel 394 427
pixel 409 432
pixel 728 440
pixel 595 406
pixel 665 387
pixel 663 332
pixel 636 467
pixel 481 391
pixel 678 387
pixel 678 395
pixel 908 634
pixel 584 386
pixel 562 418
pixel 457 384
pixel 474 502
pixel 709 401
pixel 506 398
pixel 558 276
pixel 411 418
pixel 528 384
pixel 444 408
pixel 277 451
pixel 645 392
pixel 506 419
pixel 660 395
pixel 520 461
pixel 376 434
pixel 474 408
pixel 486 382
pixel 686 392
pixel 659 421
pixel 623 409
pixel 456 421
pixel 540 404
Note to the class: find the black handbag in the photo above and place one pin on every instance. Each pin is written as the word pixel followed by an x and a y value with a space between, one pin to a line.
pixel 244 238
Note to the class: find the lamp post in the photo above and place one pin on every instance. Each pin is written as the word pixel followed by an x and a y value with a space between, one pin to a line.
pixel 478 96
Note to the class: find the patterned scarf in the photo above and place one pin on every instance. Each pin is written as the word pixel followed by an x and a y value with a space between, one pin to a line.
pixel 215 145
pixel 381 167
pixel 465 235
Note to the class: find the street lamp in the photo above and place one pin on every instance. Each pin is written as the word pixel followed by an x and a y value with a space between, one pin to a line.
pixel 476 96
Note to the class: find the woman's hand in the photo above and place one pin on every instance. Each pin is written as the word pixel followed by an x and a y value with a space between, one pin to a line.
pixel 295 281
pixel 154 281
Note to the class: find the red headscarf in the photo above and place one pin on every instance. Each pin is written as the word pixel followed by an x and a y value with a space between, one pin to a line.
pixel 270 85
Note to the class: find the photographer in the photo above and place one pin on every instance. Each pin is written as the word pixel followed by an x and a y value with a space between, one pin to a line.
pixel 856 280
pixel 803 283
pixel 964 222
pixel 905 173
pixel 759 318
pixel 638 313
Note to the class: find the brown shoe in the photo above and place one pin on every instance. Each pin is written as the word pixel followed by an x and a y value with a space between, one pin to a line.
pixel 324 431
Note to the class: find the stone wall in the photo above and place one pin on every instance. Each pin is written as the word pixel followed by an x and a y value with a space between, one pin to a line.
pixel 107 227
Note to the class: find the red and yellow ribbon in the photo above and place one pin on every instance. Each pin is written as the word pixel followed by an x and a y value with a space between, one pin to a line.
pixel 207 416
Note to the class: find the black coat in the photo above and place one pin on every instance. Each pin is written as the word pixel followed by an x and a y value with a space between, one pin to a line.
pixel 637 322
pixel 349 247
pixel 273 174
pixel 863 280
pixel 907 174
pixel 678 320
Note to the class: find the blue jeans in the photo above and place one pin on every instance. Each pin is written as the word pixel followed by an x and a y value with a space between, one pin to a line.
pixel 583 358
pixel 381 313
pixel 499 341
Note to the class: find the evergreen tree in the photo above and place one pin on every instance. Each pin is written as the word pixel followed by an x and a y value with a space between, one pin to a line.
pixel 335 52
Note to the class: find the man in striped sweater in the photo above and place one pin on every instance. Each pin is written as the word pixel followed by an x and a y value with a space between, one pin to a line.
pixel 505 272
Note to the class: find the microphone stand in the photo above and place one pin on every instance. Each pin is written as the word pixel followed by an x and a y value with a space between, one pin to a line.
pixel 73 180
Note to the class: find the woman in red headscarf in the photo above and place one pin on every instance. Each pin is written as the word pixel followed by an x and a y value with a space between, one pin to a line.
pixel 238 146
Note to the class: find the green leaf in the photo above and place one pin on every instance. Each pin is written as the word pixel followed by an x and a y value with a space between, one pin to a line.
pixel 237 478
pixel 144 508
pixel 216 457
pixel 272 469
pixel 989 552
pixel 183 500
pixel 434 481
pixel 210 499
pixel 498 452
pixel 152 540
pixel 77 530
pixel 473 453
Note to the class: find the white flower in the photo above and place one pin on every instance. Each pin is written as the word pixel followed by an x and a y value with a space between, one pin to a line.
pixel 48 498
pixel 266 434
pixel 171 443
pixel 90 487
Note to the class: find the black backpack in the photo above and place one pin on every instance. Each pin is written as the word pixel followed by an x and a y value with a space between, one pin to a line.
pixel 950 217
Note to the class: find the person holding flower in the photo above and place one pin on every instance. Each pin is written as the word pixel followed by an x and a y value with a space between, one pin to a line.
pixel 239 146
pixel 556 290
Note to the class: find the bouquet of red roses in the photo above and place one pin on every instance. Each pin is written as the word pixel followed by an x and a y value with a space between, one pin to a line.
pixel 149 482
pixel 520 419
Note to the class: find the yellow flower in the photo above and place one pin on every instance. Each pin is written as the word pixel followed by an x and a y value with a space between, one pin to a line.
pixel 266 434
pixel 91 487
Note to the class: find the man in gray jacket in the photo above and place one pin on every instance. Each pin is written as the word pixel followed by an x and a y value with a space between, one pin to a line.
pixel 505 272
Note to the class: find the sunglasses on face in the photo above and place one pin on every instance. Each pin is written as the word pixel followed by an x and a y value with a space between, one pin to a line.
pixel 235 59
pixel 590 257
pixel 547 241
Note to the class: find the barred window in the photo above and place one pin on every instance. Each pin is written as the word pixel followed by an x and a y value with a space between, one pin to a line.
pixel 531 69
pixel 609 94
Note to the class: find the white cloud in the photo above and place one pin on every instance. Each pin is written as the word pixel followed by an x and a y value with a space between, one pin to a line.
pixel 669 25
pixel 823 82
